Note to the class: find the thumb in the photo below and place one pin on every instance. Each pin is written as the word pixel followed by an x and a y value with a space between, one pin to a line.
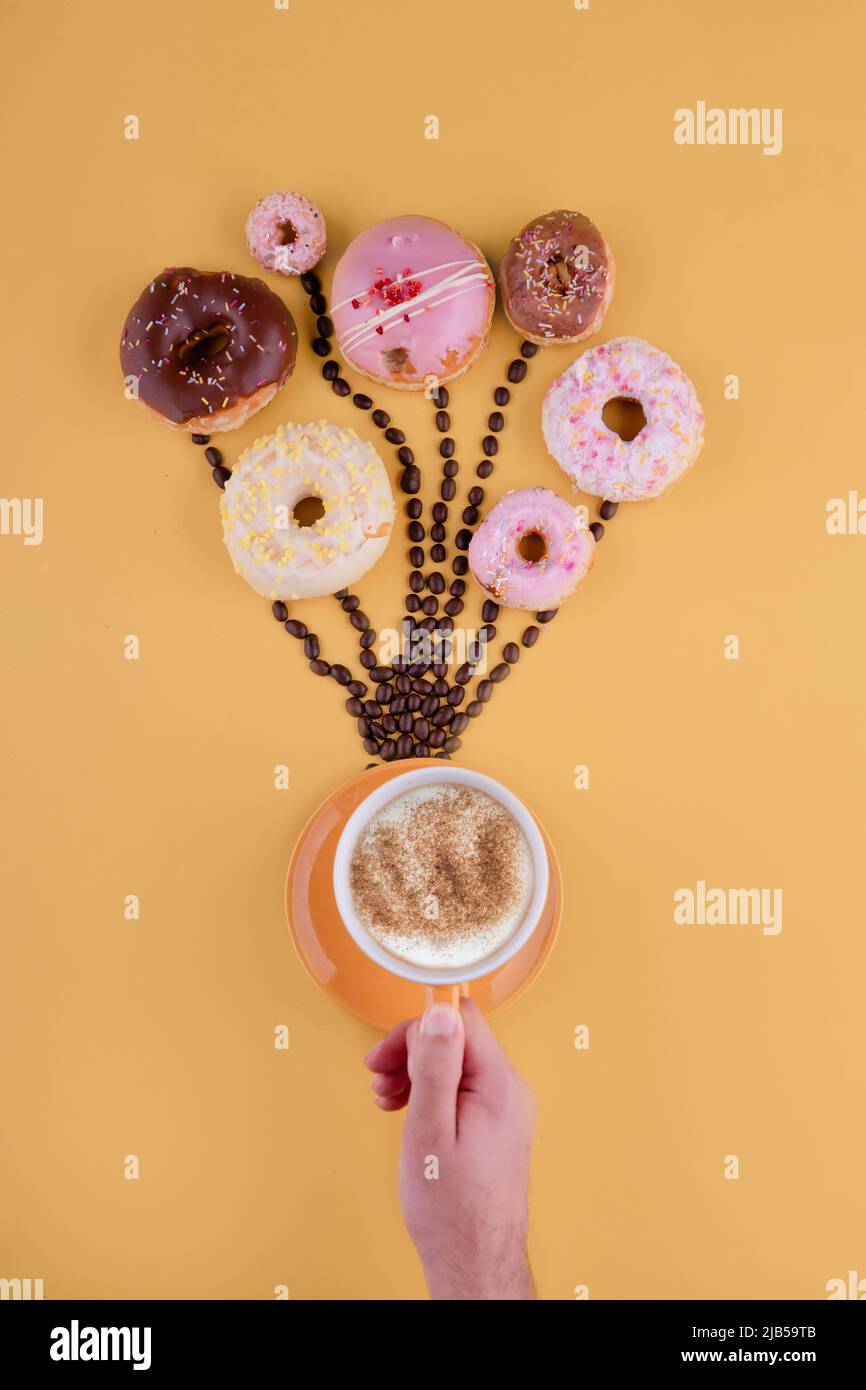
pixel 435 1069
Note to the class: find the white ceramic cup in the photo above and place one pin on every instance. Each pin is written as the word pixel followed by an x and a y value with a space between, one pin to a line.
pixel 399 786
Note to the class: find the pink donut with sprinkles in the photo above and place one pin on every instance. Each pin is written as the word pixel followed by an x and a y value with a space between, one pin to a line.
pixel 596 459
pixel 411 299
pixel 537 523
pixel 286 233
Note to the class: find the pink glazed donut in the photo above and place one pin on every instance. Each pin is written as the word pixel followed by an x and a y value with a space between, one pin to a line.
pixel 593 456
pixel 411 299
pixel 502 571
pixel 286 233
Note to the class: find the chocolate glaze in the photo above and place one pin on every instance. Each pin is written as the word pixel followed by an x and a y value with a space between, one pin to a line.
pixel 253 332
pixel 551 287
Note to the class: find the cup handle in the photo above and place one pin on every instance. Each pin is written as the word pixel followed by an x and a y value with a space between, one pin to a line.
pixel 445 994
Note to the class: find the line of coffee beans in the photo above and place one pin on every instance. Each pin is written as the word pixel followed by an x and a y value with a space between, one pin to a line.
pixel 219 472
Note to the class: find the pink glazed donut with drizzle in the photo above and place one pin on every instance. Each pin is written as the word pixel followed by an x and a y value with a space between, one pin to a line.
pixel 568 550
pixel 412 299
pixel 596 459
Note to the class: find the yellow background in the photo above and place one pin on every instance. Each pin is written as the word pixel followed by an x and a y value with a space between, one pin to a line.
pixel 155 777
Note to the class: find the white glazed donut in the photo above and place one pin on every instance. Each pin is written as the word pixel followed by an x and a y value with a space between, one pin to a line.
pixel 593 456
pixel 280 558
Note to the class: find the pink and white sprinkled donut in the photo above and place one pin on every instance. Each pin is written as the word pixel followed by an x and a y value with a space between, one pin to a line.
pixel 411 299
pixel 596 459
pixel 286 233
pixel 567 544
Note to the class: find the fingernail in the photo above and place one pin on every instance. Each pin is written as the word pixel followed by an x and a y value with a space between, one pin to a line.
pixel 440 1020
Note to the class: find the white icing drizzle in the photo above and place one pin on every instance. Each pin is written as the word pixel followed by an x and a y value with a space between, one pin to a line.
pixel 415 275
pixel 461 281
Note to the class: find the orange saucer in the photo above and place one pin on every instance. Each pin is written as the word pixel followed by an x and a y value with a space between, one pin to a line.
pixel 341 968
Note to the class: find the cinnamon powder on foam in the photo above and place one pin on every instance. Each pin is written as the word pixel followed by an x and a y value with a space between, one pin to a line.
pixel 441 874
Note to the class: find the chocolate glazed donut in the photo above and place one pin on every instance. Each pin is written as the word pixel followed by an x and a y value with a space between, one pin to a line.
pixel 557 279
pixel 207 349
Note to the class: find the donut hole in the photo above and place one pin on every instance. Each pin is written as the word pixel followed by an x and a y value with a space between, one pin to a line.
pixel 559 274
pixel 308 511
pixel 533 547
pixel 624 417
pixel 203 344
pixel 288 233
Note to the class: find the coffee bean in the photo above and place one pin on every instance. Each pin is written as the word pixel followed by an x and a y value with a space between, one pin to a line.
pixel 430 606
pixel 367 659
pixel 528 349
pixel 608 510
pixel 457 587
pixel 399 666
pixel 437 531
pixel 436 583
pixel 414 508
pixel 413 703
pixel 331 371
pixel 361 401
pixel 201 439
pixel 363 725
pixel 348 603
pixel 383 694
pixel 429 706
pixel 412 604
pixel 321 347
pixel 458 724
pixel 416 581
pixel 342 675
pixel 213 456
pixel 354 706
pixel 422 729
pixel 318 303
pixel 403 684
pixel 295 628
pixel 422 750
pixel 357 688
pixel 440 685
pixel 437 738
pixel 456 695
pixel 463 539
pixel 438 554
pixel 474 708
pixel 484 469
pixel 404 746
pixel 470 516
pixel 395 436
pixel 381 418
pixel 440 512
pixel 502 395
pixel 440 397
pixel 221 476
pixel 398 704
pixel 411 480
pixel 463 674
pixel 340 386
pixel 415 531
pixel 380 673
pixel 451 468
pixel 448 490
pixel 511 652
pixel 420 686
pixel 368 638
pixel 475 496
pixel 530 636
pixel 500 672
pixel 377 729
pixel 489 611
pixel 325 326
pixel 442 716
pixel 279 610
pixel 310 282
pixel 320 668
pixel 451 745
pixel 454 607
pixel 406 456
pixel 389 750
pixel 341 594
pixel 311 646
pixel 406 722
pixel 447 447
pixel 495 421
pixel 460 565
pixel 416 557
pixel 370 746
pixel 516 370
pixel 359 621
pixel 488 632
pixel 389 723
pixel 443 421
pixel 484 690
pixel 597 530
pixel 547 615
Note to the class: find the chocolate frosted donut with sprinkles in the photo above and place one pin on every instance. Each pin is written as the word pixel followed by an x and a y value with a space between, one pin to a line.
pixel 207 349
pixel 557 279
pixel 411 299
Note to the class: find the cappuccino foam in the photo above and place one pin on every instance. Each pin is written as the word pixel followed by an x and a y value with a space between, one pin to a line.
pixel 441 876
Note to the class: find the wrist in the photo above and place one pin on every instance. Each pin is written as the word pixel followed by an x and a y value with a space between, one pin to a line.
pixel 505 1276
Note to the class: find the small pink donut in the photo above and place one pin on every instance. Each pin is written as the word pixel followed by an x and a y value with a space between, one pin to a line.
pixel 286 233
pixel 412 299
pixel 596 459
pixel 503 572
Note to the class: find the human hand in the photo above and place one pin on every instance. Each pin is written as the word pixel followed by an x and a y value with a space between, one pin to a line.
pixel 467 1142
